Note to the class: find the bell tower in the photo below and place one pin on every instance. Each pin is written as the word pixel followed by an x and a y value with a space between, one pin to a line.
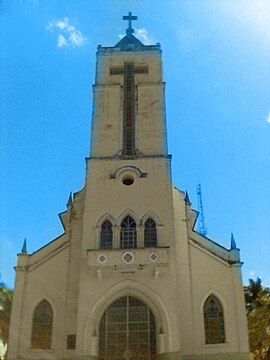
pixel 129 112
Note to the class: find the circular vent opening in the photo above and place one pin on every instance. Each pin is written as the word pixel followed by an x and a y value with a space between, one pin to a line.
pixel 128 180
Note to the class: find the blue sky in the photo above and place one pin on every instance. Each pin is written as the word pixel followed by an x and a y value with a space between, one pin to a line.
pixel 216 64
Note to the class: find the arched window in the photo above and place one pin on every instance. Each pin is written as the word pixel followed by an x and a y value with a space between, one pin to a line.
pixel 42 326
pixel 106 235
pixel 127 330
pixel 150 233
pixel 213 321
pixel 128 233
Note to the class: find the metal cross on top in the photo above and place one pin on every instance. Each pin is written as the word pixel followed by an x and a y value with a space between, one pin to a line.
pixel 130 18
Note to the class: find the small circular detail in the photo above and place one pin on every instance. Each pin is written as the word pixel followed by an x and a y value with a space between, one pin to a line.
pixel 153 256
pixel 128 180
pixel 102 258
pixel 128 257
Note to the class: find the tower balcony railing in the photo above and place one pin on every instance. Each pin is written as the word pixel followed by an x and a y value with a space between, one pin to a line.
pixel 128 262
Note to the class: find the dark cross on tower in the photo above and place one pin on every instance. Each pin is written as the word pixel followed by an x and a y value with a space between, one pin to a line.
pixel 130 18
pixel 129 71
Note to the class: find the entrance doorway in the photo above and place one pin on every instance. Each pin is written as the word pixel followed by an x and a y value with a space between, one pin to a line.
pixel 127 331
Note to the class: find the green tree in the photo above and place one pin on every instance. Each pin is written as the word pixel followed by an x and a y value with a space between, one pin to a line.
pixel 258 314
pixel 5 311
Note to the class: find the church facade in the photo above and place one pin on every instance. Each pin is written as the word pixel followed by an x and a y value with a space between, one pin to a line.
pixel 129 278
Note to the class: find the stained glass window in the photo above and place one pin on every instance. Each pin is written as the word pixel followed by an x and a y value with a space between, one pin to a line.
pixel 150 233
pixel 127 331
pixel 128 233
pixel 106 235
pixel 213 321
pixel 42 326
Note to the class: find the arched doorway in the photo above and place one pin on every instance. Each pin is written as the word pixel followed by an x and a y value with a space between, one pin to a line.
pixel 127 331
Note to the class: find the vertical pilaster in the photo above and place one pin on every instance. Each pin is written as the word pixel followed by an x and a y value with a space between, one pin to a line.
pixel 94 345
pixel 140 236
pixel 16 331
pixel 116 237
pixel 97 230
pixel 239 306
pixel 159 237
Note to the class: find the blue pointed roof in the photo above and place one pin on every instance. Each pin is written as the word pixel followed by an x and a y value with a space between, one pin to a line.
pixel 129 42
pixel 233 243
pixel 70 201
pixel 187 199
pixel 24 247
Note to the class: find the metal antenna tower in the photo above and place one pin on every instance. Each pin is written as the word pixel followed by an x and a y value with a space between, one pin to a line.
pixel 202 227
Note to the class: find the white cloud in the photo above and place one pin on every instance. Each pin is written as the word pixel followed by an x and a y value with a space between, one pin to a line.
pixel 61 24
pixel 254 14
pixel 61 41
pixel 76 39
pixel 67 34
pixel 268 118
pixel 252 273
pixel 142 35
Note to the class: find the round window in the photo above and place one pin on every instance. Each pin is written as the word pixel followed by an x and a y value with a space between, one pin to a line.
pixel 128 257
pixel 128 180
pixel 102 258
pixel 153 256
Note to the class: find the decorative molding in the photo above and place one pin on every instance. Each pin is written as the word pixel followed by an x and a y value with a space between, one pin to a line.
pixel 128 168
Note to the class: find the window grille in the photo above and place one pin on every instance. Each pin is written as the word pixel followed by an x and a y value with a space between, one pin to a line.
pixel 213 321
pixel 128 233
pixel 150 233
pixel 42 326
pixel 127 331
pixel 129 110
pixel 106 235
